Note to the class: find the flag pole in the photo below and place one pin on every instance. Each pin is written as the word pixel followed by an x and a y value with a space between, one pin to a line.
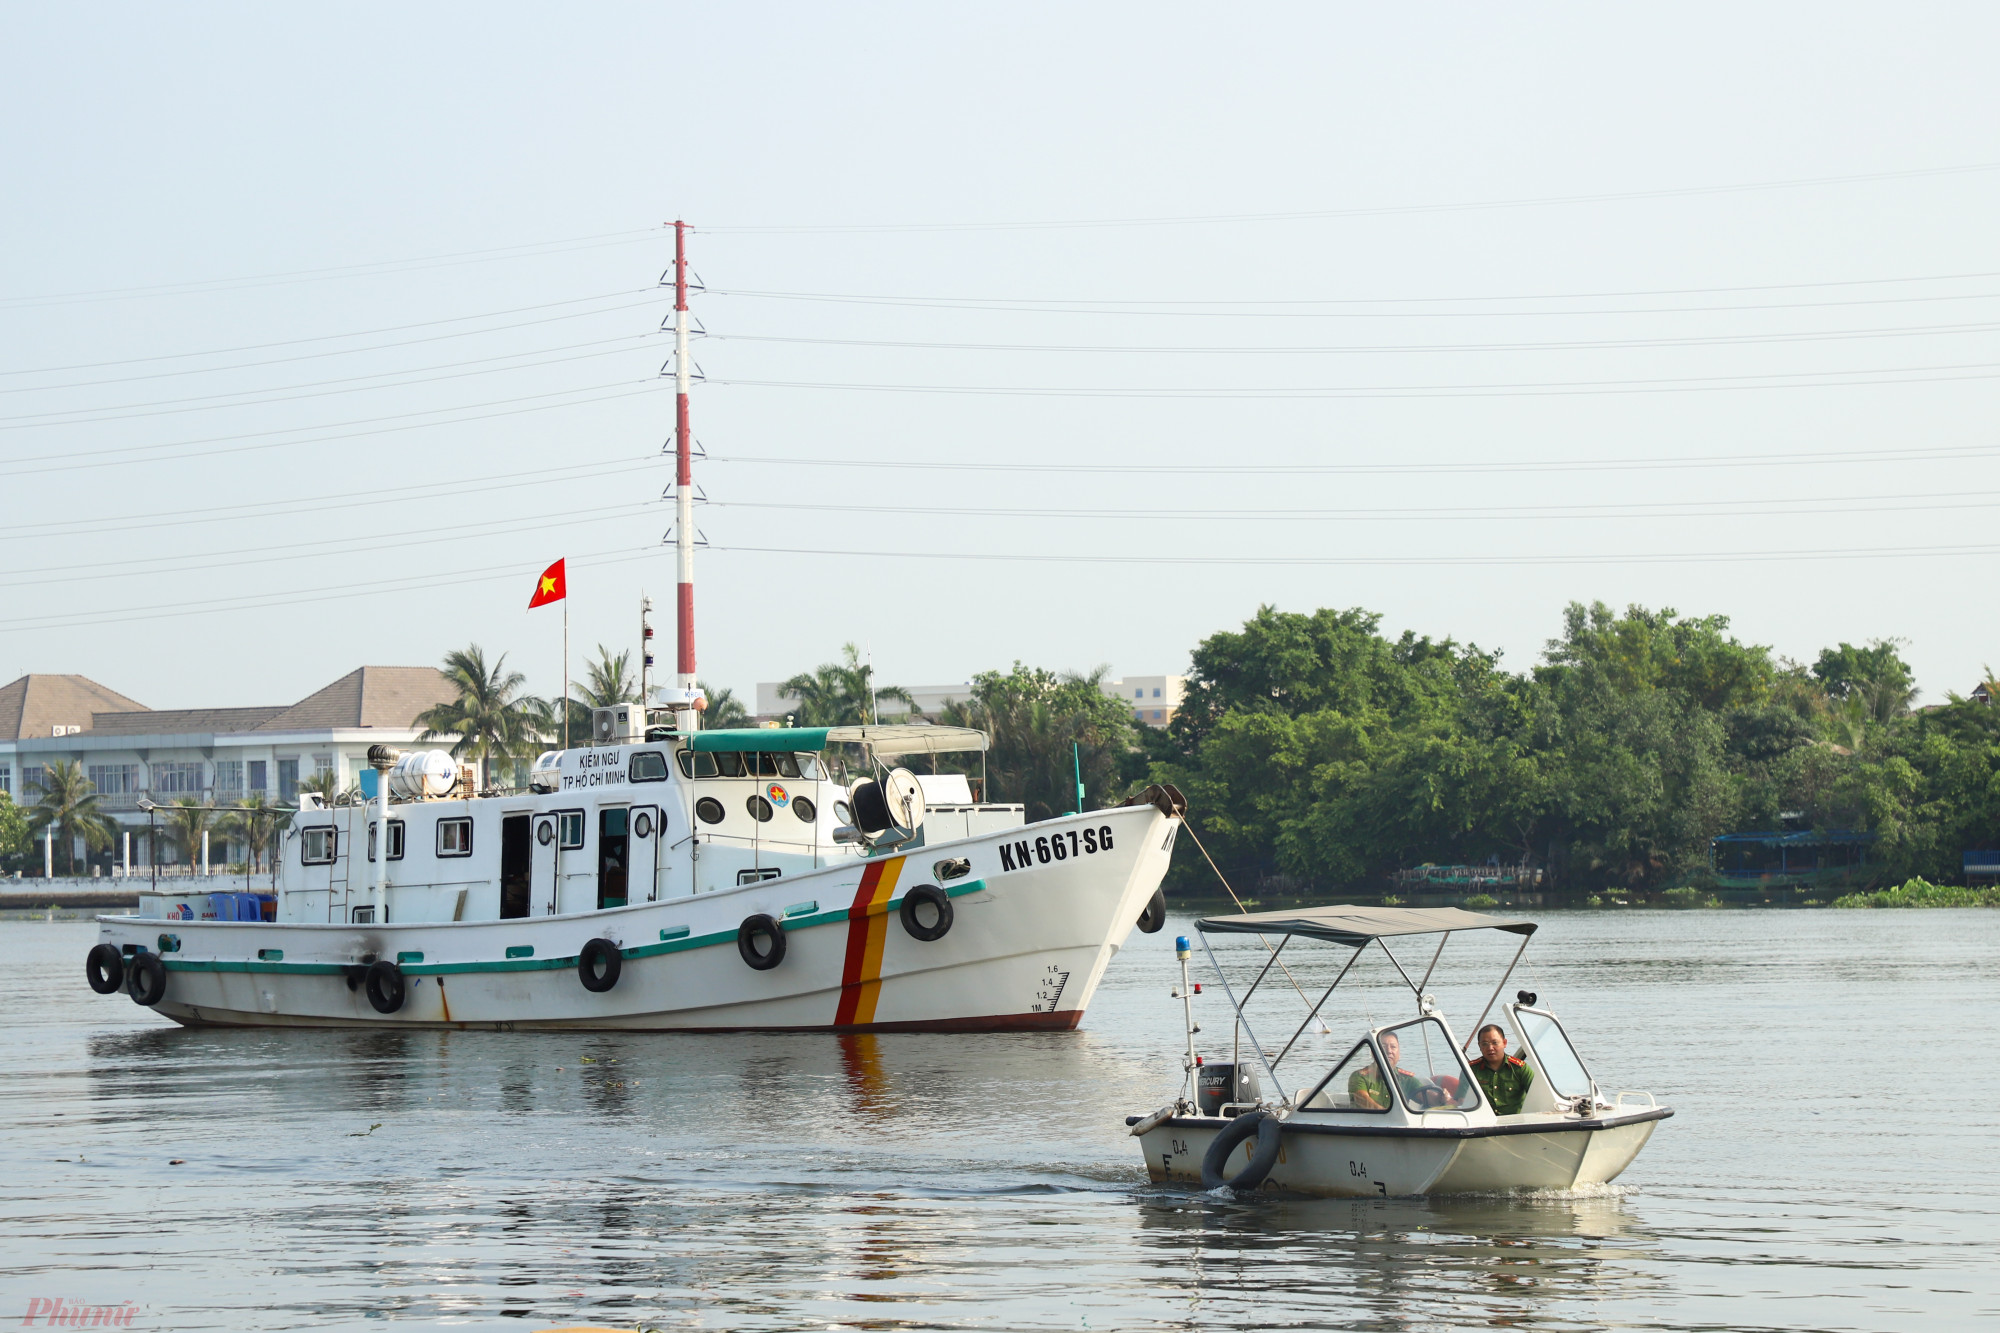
pixel 565 694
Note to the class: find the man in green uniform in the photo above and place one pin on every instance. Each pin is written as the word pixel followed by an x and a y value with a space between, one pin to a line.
pixel 1504 1078
pixel 1366 1088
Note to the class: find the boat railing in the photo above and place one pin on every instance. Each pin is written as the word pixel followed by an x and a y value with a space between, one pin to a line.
pixel 1618 1098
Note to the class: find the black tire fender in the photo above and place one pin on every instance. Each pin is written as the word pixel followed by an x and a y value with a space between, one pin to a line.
pixel 1154 914
pixel 104 968
pixel 384 984
pixel 598 965
pixel 149 979
pixel 752 927
pixel 937 898
pixel 870 806
pixel 1269 1131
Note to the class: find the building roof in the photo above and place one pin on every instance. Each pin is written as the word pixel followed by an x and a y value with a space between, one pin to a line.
pixel 374 696
pixel 171 721
pixel 35 705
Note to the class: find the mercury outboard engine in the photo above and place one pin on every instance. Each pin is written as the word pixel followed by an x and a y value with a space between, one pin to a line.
pixel 1217 1085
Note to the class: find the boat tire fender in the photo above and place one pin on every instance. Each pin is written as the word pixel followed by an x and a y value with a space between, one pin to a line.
pixel 384 985
pixel 149 979
pixel 870 806
pixel 1154 914
pixel 939 900
pixel 599 964
pixel 746 942
pixel 104 966
pixel 1268 1129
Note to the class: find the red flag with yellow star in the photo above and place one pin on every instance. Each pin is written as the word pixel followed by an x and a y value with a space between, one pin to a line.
pixel 551 588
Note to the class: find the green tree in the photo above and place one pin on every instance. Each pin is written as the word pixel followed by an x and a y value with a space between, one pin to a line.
pixel 186 820
pixel 608 682
pixel 841 694
pixel 491 717
pixel 1875 678
pixel 1042 726
pixel 255 824
pixel 724 709
pixel 68 803
pixel 326 785
pixel 15 836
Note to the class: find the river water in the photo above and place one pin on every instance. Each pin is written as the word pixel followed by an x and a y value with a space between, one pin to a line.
pixel 1831 1164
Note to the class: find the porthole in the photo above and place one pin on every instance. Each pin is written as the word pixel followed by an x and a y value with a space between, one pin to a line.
pixel 759 808
pixel 803 808
pixel 843 812
pixel 708 810
pixel 642 825
pixel 545 832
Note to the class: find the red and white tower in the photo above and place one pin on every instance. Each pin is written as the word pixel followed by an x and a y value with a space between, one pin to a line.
pixel 683 477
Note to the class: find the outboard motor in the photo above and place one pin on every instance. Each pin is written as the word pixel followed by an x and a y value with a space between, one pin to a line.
pixel 1217 1085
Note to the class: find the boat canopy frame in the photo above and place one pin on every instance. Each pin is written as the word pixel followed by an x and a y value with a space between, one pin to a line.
pixel 896 738
pixel 1357 928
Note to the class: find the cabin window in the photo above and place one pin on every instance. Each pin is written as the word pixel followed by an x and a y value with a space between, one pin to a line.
pixel 729 764
pixel 759 808
pixel 395 839
pixel 319 845
pixel 572 829
pixel 803 807
pixel 697 765
pixel 758 876
pixel 1355 1084
pixel 1429 1075
pixel 454 837
pixel 647 766
pixel 708 810
pixel 1554 1058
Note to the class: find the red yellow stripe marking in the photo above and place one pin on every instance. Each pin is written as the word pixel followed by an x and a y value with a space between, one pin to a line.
pixel 867 933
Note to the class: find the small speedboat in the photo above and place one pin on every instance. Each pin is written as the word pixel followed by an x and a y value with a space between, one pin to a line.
pixel 1408 1108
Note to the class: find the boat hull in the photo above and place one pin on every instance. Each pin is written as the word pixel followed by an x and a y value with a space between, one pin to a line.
pixel 1030 939
pixel 1338 1161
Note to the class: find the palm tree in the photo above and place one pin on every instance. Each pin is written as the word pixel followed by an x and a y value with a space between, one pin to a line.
pixel 491 718
pixel 255 823
pixel 69 804
pixel 724 708
pixel 326 783
pixel 187 820
pixel 841 694
pixel 610 683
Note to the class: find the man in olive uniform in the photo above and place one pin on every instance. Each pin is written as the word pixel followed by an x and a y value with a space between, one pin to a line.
pixel 1504 1078
pixel 1366 1088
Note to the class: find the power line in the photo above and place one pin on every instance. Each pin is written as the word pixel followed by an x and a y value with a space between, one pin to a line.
pixel 285 394
pixel 532 250
pixel 313 356
pixel 220 514
pixel 1807 379
pixel 1594 344
pixel 1955 453
pixel 78 459
pixel 373 587
pixel 1282 309
pixel 1314 561
pixel 1327 214
pixel 1863 504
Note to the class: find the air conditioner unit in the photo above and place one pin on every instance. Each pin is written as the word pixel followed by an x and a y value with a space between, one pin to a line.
pixel 622 724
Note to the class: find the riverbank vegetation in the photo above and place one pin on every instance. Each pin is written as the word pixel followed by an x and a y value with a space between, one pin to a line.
pixel 1923 893
pixel 1319 754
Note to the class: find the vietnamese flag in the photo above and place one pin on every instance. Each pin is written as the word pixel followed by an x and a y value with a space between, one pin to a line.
pixel 551 588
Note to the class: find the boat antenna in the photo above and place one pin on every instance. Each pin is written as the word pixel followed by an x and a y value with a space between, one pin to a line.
pixel 683 490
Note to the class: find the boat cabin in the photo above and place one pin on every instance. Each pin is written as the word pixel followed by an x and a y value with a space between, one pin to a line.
pixel 610 824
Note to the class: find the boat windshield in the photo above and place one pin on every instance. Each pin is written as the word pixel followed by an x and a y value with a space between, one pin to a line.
pixel 1558 1059
pixel 1430 1076
pixel 1354 1085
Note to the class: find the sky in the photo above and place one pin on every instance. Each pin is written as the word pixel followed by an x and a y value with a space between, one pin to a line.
pixel 1061 334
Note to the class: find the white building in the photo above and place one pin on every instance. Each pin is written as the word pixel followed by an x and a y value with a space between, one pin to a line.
pixel 217 755
pixel 1152 699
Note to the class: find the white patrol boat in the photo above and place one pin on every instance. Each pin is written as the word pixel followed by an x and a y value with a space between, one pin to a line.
pixel 667 879
pixel 1402 1112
